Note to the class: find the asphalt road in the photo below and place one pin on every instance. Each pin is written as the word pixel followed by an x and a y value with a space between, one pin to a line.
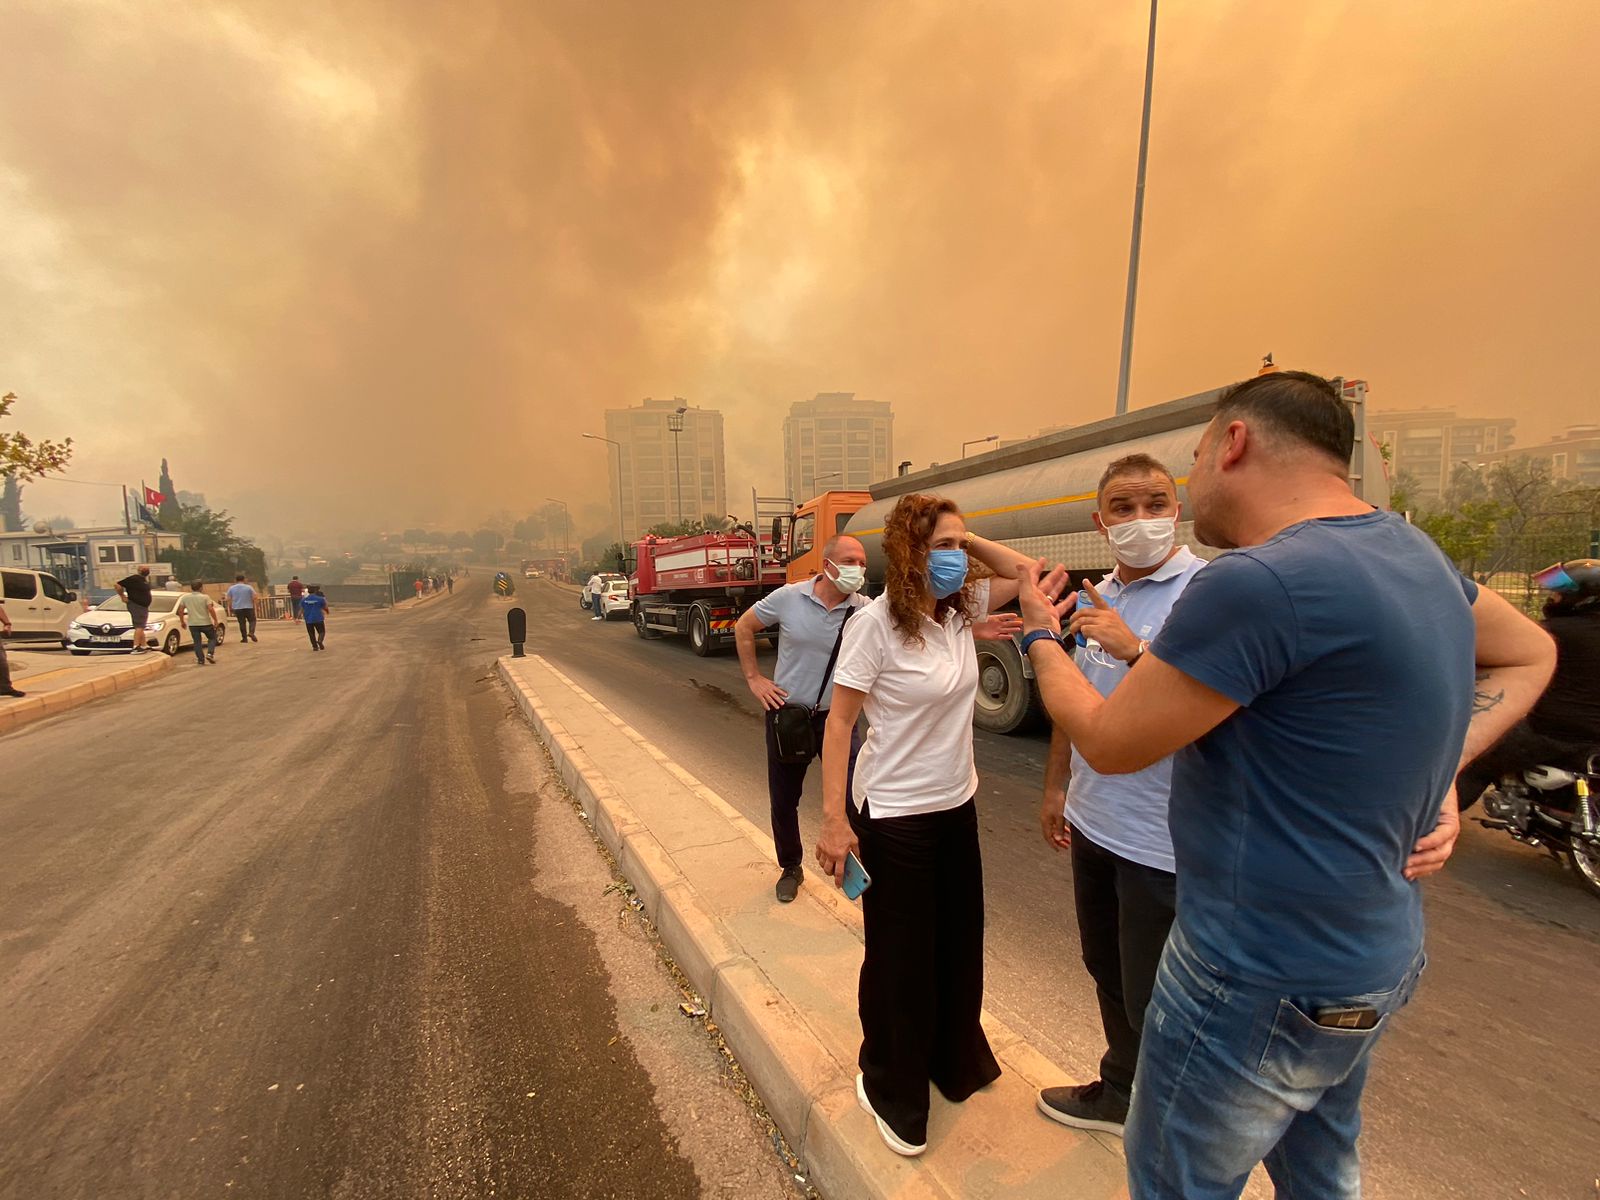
pixel 1486 1087
pixel 307 925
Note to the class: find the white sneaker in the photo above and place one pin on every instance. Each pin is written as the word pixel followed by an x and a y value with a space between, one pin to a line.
pixel 890 1138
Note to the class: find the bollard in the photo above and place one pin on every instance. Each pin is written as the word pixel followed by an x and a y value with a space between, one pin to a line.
pixel 517 627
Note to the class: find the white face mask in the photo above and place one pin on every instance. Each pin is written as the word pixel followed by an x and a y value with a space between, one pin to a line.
pixel 851 579
pixel 1143 543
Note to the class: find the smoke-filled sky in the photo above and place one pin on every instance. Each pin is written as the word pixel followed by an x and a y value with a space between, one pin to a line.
pixel 374 264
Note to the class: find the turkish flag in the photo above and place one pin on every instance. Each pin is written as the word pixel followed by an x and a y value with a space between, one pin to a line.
pixel 153 497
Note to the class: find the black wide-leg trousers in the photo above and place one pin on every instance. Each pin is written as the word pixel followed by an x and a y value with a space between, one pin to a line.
pixel 921 991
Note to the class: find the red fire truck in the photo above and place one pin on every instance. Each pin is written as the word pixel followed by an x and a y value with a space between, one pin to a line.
pixel 700 584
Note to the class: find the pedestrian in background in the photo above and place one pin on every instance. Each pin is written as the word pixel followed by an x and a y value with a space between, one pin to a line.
pixel 811 616
pixel 1115 826
pixel 1316 683
pixel 296 590
pixel 911 818
pixel 135 593
pixel 200 617
pixel 417 583
pixel 242 601
pixel 450 583
pixel 316 610
pixel 5 668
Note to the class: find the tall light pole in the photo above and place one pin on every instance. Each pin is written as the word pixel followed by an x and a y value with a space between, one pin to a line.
pixel 675 427
pixel 1138 221
pixel 993 437
pixel 566 526
pixel 622 537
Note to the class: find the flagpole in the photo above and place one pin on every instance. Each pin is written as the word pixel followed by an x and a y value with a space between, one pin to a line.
pixel 127 520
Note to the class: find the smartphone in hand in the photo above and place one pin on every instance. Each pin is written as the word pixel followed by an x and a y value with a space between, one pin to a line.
pixel 856 879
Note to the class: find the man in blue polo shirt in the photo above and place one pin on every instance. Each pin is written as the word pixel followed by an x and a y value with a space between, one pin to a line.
pixel 1317 684
pixel 1116 825
pixel 810 616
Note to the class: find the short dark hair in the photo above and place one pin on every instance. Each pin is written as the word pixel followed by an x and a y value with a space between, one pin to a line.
pixel 197 585
pixel 239 578
pixel 1133 464
pixel 1298 405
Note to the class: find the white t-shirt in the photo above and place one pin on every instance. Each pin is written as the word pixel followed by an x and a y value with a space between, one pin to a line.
pixel 197 607
pixel 918 754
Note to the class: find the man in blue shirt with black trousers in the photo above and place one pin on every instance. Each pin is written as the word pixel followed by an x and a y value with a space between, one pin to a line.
pixel 1320 685
pixel 1116 825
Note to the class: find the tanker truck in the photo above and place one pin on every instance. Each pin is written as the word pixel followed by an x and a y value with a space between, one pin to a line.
pixel 1038 496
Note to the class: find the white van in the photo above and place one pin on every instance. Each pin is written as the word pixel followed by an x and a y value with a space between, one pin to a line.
pixel 39 606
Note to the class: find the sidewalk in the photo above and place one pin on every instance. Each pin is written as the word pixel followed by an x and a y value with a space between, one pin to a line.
pixel 57 681
pixel 419 601
pixel 780 980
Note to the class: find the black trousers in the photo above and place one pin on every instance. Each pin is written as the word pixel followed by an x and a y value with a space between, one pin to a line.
pixel 921 991
pixel 786 782
pixel 317 631
pixel 5 671
pixel 1125 911
pixel 1518 749
pixel 247 622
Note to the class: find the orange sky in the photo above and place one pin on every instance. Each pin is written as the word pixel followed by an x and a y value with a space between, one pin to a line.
pixel 374 264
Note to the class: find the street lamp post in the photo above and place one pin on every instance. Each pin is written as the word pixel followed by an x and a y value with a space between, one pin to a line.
pixel 993 437
pixel 675 427
pixel 622 537
pixel 1138 221
pixel 566 526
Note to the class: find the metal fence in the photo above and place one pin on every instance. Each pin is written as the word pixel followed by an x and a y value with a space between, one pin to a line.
pixel 1510 570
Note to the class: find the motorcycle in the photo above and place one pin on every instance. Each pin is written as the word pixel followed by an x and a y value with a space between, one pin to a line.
pixel 1553 808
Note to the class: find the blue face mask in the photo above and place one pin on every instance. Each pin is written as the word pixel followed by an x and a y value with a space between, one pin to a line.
pixel 947 571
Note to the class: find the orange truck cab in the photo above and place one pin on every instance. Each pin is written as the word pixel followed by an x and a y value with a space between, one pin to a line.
pixel 811 527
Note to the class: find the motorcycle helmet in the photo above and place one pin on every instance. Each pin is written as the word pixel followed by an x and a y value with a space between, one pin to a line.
pixel 1574 586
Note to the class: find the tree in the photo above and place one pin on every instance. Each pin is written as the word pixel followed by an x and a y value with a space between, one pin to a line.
pixel 531 528
pixel 414 537
pixel 59 523
pixel 211 548
pixel 459 540
pixel 169 508
pixel 485 542
pixel 11 505
pixel 23 459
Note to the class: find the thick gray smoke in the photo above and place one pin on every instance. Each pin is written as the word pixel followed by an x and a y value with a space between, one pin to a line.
pixel 380 264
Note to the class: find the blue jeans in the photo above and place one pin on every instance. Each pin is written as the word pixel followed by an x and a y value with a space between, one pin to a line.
pixel 1230 1076
pixel 201 634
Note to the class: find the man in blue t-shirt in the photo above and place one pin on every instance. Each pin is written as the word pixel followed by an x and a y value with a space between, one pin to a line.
pixel 1316 685
pixel 242 603
pixel 315 607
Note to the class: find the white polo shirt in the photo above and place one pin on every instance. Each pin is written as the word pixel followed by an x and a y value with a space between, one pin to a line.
pixel 917 757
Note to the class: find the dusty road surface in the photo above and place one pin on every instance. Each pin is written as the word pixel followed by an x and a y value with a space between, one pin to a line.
pixel 304 925
pixel 1486 1086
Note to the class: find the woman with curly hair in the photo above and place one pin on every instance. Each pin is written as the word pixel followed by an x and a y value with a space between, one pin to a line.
pixel 908 662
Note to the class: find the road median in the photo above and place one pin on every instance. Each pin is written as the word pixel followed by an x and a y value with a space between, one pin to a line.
pixel 53 691
pixel 780 980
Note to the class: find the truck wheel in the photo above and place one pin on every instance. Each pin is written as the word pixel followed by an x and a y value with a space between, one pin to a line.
pixel 642 629
pixel 1007 701
pixel 700 631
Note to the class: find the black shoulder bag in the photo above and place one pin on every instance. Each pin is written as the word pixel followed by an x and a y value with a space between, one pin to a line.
pixel 792 726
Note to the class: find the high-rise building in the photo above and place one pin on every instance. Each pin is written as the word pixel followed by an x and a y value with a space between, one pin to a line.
pixel 666 476
pixel 1573 455
pixel 834 442
pixel 1427 444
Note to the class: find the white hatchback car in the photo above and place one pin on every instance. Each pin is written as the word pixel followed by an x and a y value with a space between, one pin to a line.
pixel 108 627
pixel 614 599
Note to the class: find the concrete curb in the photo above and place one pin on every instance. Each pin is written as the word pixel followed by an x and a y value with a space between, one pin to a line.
pixel 49 704
pixel 809 1092
pixel 414 602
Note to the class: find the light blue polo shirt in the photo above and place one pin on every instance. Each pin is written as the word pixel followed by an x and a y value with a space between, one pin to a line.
pixel 809 632
pixel 1127 814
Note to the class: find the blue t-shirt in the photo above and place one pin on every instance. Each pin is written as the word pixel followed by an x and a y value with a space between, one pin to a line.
pixel 241 595
pixel 314 608
pixel 1349 644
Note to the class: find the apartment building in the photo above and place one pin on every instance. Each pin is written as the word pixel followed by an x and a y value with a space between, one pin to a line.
pixel 670 466
pixel 834 442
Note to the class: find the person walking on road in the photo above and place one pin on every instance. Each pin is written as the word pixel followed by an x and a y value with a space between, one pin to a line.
pixel 242 600
pixel 910 816
pixel 296 591
pixel 450 584
pixel 316 609
pixel 5 668
pixel 1115 826
pixel 811 617
pixel 200 617
pixel 1320 683
pixel 135 593
pixel 418 585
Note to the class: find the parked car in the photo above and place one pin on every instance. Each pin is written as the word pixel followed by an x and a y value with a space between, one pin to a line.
pixel 605 577
pixel 614 599
pixel 532 573
pixel 108 627
pixel 39 605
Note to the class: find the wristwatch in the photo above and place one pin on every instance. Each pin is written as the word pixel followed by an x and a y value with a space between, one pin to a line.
pixel 1028 639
